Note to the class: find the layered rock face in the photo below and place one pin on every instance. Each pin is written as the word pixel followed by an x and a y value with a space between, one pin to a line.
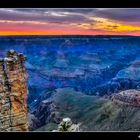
pixel 13 93
pixel 127 97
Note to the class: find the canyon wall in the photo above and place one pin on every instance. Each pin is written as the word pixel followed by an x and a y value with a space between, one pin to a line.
pixel 13 93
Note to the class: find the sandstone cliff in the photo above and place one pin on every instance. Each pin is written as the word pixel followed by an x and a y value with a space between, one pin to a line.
pixel 13 93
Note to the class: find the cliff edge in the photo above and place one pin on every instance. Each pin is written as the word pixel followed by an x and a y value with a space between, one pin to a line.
pixel 13 93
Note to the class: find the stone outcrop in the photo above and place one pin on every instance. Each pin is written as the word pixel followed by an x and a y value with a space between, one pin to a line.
pixel 44 112
pixel 13 93
pixel 67 125
pixel 127 97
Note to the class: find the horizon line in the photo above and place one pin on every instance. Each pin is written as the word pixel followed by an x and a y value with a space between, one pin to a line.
pixel 69 35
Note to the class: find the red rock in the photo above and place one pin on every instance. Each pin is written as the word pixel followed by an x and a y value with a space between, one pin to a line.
pixel 13 93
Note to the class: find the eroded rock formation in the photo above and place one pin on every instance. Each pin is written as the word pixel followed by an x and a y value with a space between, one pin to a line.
pixel 13 93
pixel 128 97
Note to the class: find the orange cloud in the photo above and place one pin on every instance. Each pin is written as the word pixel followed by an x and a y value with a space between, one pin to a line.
pixel 108 25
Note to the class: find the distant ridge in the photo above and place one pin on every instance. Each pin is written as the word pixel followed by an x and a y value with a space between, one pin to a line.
pixel 99 36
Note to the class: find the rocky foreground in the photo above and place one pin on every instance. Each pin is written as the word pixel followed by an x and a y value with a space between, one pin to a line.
pixel 91 112
pixel 13 93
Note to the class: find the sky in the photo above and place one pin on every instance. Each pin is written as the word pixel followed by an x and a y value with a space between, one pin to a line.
pixel 86 21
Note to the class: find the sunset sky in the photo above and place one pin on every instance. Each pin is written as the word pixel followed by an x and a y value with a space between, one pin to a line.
pixel 95 21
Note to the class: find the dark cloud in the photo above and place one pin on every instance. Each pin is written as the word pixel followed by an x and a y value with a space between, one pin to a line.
pixel 72 10
pixel 69 15
pixel 129 15
pixel 46 15
pixel 114 27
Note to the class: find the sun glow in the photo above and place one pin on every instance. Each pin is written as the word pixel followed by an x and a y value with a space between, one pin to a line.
pixel 108 25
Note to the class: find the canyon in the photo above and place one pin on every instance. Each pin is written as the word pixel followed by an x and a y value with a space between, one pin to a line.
pixel 80 77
